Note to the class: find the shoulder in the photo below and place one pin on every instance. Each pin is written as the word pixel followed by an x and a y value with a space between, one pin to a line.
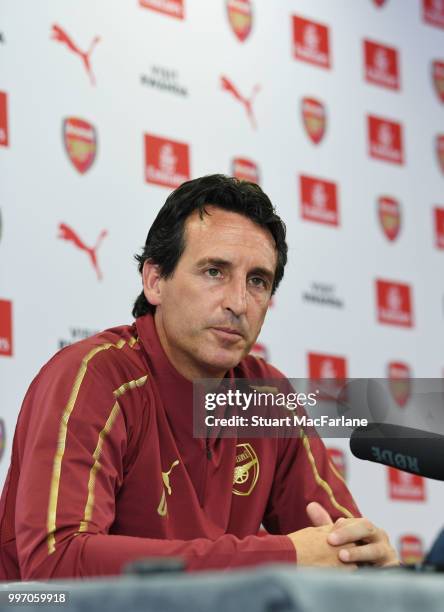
pixel 112 356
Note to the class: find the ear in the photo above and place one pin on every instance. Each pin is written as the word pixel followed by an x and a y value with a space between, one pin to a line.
pixel 151 283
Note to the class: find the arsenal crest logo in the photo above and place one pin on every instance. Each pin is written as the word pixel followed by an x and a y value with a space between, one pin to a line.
pixel 314 119
pixel 246 470
pixel 440 150
pixel 411 549
pixel 240 16
pixel 389 213
pixel 80 140
pixel 398 375
pixel 2 438
pixel 438 78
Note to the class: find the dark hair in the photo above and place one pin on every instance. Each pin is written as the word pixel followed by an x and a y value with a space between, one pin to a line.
pixel 165 242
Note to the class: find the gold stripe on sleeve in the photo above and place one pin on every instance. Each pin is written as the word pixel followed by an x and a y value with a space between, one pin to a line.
pixel 96 467
pixel 322 483
pixel 132 384
pixel 61 440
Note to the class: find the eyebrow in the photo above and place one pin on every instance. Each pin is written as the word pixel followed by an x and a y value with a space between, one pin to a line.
pixel 224 263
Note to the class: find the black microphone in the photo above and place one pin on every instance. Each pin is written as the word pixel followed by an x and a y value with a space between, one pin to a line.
pixel 407 449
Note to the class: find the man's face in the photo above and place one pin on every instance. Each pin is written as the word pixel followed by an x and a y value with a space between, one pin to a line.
pixel 210 312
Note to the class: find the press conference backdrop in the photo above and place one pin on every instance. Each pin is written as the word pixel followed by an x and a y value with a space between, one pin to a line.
pixel 335 107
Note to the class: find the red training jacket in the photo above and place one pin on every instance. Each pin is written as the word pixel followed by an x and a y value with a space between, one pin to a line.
pixel 105 470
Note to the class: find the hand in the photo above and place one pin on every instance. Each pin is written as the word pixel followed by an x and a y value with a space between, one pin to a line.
pixel 373 545
pixel 318 515
pixel 314 550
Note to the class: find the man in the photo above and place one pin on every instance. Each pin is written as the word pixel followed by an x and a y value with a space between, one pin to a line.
pixel 105 468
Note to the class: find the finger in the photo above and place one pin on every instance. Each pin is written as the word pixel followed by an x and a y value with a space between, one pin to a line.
pixel 348 566
pixel 339 523
pixel 374 553
pixel 318 515
pixel 352 531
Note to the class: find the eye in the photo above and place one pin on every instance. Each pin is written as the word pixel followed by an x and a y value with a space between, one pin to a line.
pixel 257 281
pixel 213 272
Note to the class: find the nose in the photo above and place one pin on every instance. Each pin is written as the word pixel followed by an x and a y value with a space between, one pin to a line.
pixel 235 298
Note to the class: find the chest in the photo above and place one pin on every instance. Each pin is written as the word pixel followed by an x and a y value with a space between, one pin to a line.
pixel 181 487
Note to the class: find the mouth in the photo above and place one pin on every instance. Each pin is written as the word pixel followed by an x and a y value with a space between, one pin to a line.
pixel 227 333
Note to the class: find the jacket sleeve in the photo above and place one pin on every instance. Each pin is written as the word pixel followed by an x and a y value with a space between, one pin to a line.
pixel 304 474
pixel 72 439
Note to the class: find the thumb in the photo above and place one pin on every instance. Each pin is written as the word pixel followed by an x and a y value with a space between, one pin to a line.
pixel 318 515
